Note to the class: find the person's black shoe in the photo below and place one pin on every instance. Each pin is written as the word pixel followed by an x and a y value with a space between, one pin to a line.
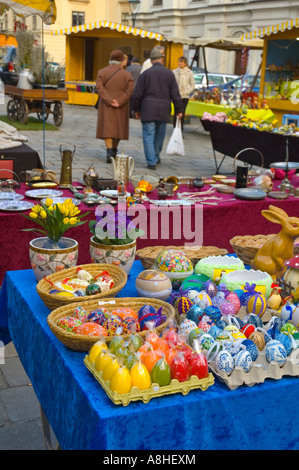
pixel 158 161
pixel 114 152
pixel 151 167
pixel 109 155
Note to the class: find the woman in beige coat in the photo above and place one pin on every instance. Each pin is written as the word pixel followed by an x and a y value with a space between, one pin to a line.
pixel 186 84
pixel 115 87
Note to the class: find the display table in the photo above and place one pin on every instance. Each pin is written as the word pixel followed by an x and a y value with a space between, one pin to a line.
pixel 198 108
pixel 230 140
pixel 25 158
pixel 221 222
pixel 82 416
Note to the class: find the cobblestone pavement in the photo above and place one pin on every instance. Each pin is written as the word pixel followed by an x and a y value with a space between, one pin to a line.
pixel 20 417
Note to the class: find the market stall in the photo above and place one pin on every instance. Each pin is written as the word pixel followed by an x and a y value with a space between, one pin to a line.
pixel 279 71
pixel 88 48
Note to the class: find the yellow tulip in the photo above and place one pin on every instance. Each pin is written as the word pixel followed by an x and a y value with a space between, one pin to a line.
pixel 73 220
pixel 66 220
pixel 43 214
pixel 61 208
pixel 36 209
pixel 33 215
pixel 49 202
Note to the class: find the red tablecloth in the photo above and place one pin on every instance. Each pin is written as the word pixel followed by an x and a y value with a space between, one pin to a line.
pixel 220 223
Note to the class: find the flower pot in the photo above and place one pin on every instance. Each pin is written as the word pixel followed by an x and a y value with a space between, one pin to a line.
pixel 47 257
pixel 119 255
pixel 26 79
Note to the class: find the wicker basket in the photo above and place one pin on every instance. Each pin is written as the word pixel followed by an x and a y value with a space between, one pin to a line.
pixel 83 343
pixel 148 255
pixel 247 246
pixel 53 301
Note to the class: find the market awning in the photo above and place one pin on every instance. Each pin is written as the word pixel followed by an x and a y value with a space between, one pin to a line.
pixel 228 44
pixel 46 9
pixel 275 28
pixel 112 26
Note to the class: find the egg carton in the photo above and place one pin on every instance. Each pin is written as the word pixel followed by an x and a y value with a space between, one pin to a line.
pixel 260 371
pixel 154 391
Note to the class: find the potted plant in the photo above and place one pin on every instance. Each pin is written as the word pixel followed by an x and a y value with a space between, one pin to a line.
pixel 46 72
pixel 113 238
pixel 53 251
pixel 23 62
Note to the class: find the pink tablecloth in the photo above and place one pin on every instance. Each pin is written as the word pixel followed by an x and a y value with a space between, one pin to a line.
pixel 220 223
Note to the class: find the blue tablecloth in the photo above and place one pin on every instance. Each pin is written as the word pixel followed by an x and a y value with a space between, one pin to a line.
pixel 83 417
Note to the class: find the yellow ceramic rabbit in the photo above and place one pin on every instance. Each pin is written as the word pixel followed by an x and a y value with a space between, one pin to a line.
pixel 272 255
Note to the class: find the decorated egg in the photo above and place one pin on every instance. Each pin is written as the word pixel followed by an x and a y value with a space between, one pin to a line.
pixel 97 316
pixel 186 327
pixel 248 329
pixel 295 317
pixel 205 341
pixel 183 305
pixel 124 312
pixel 231 328
pixel 91 329
pixel 205 298
pixel 258 338
pixel 205 323
pixel 234 299
pixel 93 289
pixel 195 313
pixel 112 323
pixel 194 282
pixel 255 320
pixel 213 312
pixel 243 360
pixel 286 312
pixel 227 308
pixel 296 339
pixel 130 325
pixel 211 288
pixel 218 299
pixel 286 341
pixel 153 283
pixel 80 313
pixel 224 362
pixel 175 264
pixel 194 334
pixel 214 331
pixel 68 323
pixel 223 336
pixel 237 335
pixel 288 329
pixel 252 348
pixel 145 310
pixel 275 352
pixel 257 304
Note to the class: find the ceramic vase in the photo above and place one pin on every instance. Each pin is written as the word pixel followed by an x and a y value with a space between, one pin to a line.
pixel 47 257
pixel 119 255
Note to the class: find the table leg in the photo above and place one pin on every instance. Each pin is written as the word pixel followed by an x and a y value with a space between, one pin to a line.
pixel 217 168
pixel 47 432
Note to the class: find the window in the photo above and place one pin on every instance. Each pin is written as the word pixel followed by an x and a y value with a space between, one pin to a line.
pixel 157 2
pixel 78 18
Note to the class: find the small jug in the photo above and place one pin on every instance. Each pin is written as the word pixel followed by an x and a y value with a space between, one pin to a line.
pixel 123 167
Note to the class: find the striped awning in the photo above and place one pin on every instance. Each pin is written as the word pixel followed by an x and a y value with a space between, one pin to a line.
pixel 275 28
pixel 46 9
pixel 112 26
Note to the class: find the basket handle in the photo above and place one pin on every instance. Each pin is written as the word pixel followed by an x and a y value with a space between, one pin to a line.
pixel 6 169
pixel 245 163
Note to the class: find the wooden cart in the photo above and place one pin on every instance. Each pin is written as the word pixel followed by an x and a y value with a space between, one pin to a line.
pixel 42 102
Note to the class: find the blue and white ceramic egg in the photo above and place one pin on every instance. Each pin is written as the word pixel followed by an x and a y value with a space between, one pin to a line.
pixel 244 360
pixel 275 352
pixel 286 341
pixel 252 348
pixel 224 362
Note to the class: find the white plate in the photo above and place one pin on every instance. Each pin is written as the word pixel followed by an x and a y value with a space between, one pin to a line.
pixel 11 196
pixel 43 193
pixel 250 193
pixel 111 193
pixel 57 200
pixel 15 205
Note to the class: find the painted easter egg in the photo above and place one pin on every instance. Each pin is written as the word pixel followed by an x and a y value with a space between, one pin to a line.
pixel 145 310
pixel 130 325
pixel 68 323
pixel 224 362
pixel 97 316
pixel 153 283
pixel 195 281
pixel 80 313
pixel 205 298
pixel 243 360
pixel 211 288
pixel 213 312
pixel 194 334
pixel 112 323
pixel 195 313
pixel 234 299
pixel 275 352
pixel 288 329
pixel 248 329
pixel 286 312
pixel 255 320
pixel 227 308
pixel 252 348
pixel 124 312
pixel 175 264
pixel 91 329
pixel 286 341
pixel 186 327
pixel 258 338
pixel 183 305
pixel 257 304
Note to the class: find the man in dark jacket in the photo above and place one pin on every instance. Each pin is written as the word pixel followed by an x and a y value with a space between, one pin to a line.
pixel 156 88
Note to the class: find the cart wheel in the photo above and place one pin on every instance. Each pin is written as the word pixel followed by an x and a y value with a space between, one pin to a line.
pixel 12 110
pixel 58 114
pixel 23 112
pixel 42 117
